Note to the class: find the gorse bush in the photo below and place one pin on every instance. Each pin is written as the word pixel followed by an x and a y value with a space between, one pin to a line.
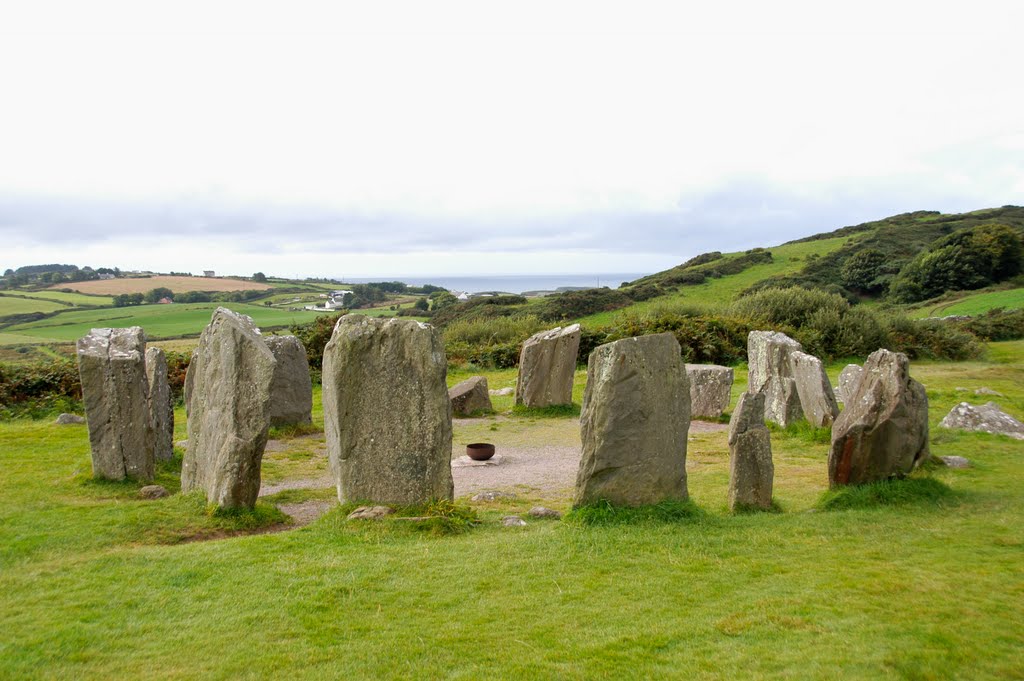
pixel 788 306
pixel 492 331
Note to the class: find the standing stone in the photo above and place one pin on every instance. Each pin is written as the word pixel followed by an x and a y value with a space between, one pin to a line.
pixel 291 392
pixel 112 368
pixel 470 396
pixel 546 367
pixel 228 384
pixel 848 379
pixel 883 431
pixel 751 470
pixel 710 389
pixel 386 411
pixel 160 407
pixel 636 414
pixel 817 400
pixel 771 373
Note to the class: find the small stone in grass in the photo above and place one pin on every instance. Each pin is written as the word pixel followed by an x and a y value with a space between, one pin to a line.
pixel 370 513
pixel 493 495
pixel 153 492
pixel 513 521
pixel 542 512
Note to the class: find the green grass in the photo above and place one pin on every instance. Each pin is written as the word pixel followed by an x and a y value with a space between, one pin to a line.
pixel 9 305
pixel 715 294
pixel 159 321
pixel 975 303
pixel 76 299
pixel 918 579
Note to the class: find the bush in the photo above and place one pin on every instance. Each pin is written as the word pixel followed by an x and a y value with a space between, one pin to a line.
pixel 314 336
pixel 573 304
pixel 787 306
pixel 996 325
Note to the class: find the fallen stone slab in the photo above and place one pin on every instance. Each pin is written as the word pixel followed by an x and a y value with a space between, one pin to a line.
pixel 988 418
pixel 465 461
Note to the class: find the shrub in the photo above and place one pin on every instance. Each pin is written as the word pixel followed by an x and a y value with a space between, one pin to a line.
pixel 573 304
pixel 314 336
pixel 787 306
pixel 996 325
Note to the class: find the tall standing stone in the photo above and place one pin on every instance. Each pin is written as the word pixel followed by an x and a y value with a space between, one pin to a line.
pixel 771 373
pixel 883 430
pixel 547 363
pixel 848 379
pixel 160 406
pixel 112 368
pixel 291 391
pixel 817 400
pixel 636 414
pixel 387 414
pixel 228 392
pixel 751 471
pixel 710 389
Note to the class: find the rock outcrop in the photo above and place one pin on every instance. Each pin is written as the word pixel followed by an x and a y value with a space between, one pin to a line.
pixel 161 408
pixel 470 396
pixel 228 387
pixel 112 368
pixel 771 373
pixel 817 400
pixel 291 391
pixel 636 414
pixel 988 418
pixel 710 389
pixel 883 430
pixel 387 415
pixel 751 471
pixel 547 363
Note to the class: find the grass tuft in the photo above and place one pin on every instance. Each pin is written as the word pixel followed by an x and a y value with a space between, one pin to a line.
pixel 802 430
pixel 605 513
pixel 897 492
pixel 294 430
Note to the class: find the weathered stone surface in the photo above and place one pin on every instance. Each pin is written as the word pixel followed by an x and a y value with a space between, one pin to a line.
pixel 387 414
pixel 112 367
pixel 493 495
pixel 513 521
pixel 988 418
pixel 883 431
pixel 69 419
pixel 771 373
pixel 161 408
pixel 291 391
pixel 153 492
pixel 710 389
pixel 470 396
pixel 543 512
pixel 546 366
pixel 987 391
pixel 817 400
pixel 370 513
pixel 636 414
pixel 751 471
pixel 848 379
pixel 228 385
pixel 502 391
pixel 955 461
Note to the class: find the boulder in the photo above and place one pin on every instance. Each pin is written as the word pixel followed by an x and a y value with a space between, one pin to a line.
pixel 502 391
pixel 710 389
pixel 513 521
pixel 387 415
pixel 291 391
pixel 544 512
pixel 988 418
pixel 959 462
pixel 228 384
pixel 751 471
pixel 153 492
pixel 771 373
pixel 69 419
pixel 817 400
pixel 112 368
pixel 161 408
pixel 883 431
pixel 636 414
pixel 848 378
pixel 470 396
pixel 547 363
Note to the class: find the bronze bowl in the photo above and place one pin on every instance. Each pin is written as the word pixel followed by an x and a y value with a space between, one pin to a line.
pixel 480 451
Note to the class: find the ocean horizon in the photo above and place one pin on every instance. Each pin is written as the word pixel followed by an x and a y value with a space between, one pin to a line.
pixel 508 283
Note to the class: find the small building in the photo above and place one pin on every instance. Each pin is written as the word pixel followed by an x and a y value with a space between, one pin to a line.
pixel 106 275
pixel 164 301
pixel 209 273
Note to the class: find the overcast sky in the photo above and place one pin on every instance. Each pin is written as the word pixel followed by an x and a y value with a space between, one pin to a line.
pixel 417 138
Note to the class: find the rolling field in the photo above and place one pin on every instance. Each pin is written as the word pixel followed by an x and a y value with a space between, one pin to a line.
pixel 177 284
pixel 922 579
pixel 9 305
pixel 159 321
pixel 75 299
pixel 975 304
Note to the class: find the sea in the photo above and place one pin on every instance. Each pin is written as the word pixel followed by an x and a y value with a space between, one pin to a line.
pixel 509 283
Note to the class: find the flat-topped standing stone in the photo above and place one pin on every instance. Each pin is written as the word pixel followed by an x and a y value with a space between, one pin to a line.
pixel 228 388
pixel 710 389
pixel 112 367
pixel 470 396
pixel 988 418
pixel 636 414
pixel 547 363
pixel 751 471
pixel 883 430
pixel 291 392
pixel 160 406
pixel 817 400
pixel 387 415
pixel 771 373
pixel 848 379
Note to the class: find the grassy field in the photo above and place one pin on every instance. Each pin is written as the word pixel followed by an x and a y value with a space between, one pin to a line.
pixel 159 321
pixel 926 581
pixel 177 284
pixel 715 294
pixel 10 305
pixel 76 299
pixel 975 304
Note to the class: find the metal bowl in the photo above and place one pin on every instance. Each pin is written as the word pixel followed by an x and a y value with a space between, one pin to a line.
pixel 480 451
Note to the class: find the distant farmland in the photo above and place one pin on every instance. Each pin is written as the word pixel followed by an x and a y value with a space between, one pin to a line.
pixel 177 284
